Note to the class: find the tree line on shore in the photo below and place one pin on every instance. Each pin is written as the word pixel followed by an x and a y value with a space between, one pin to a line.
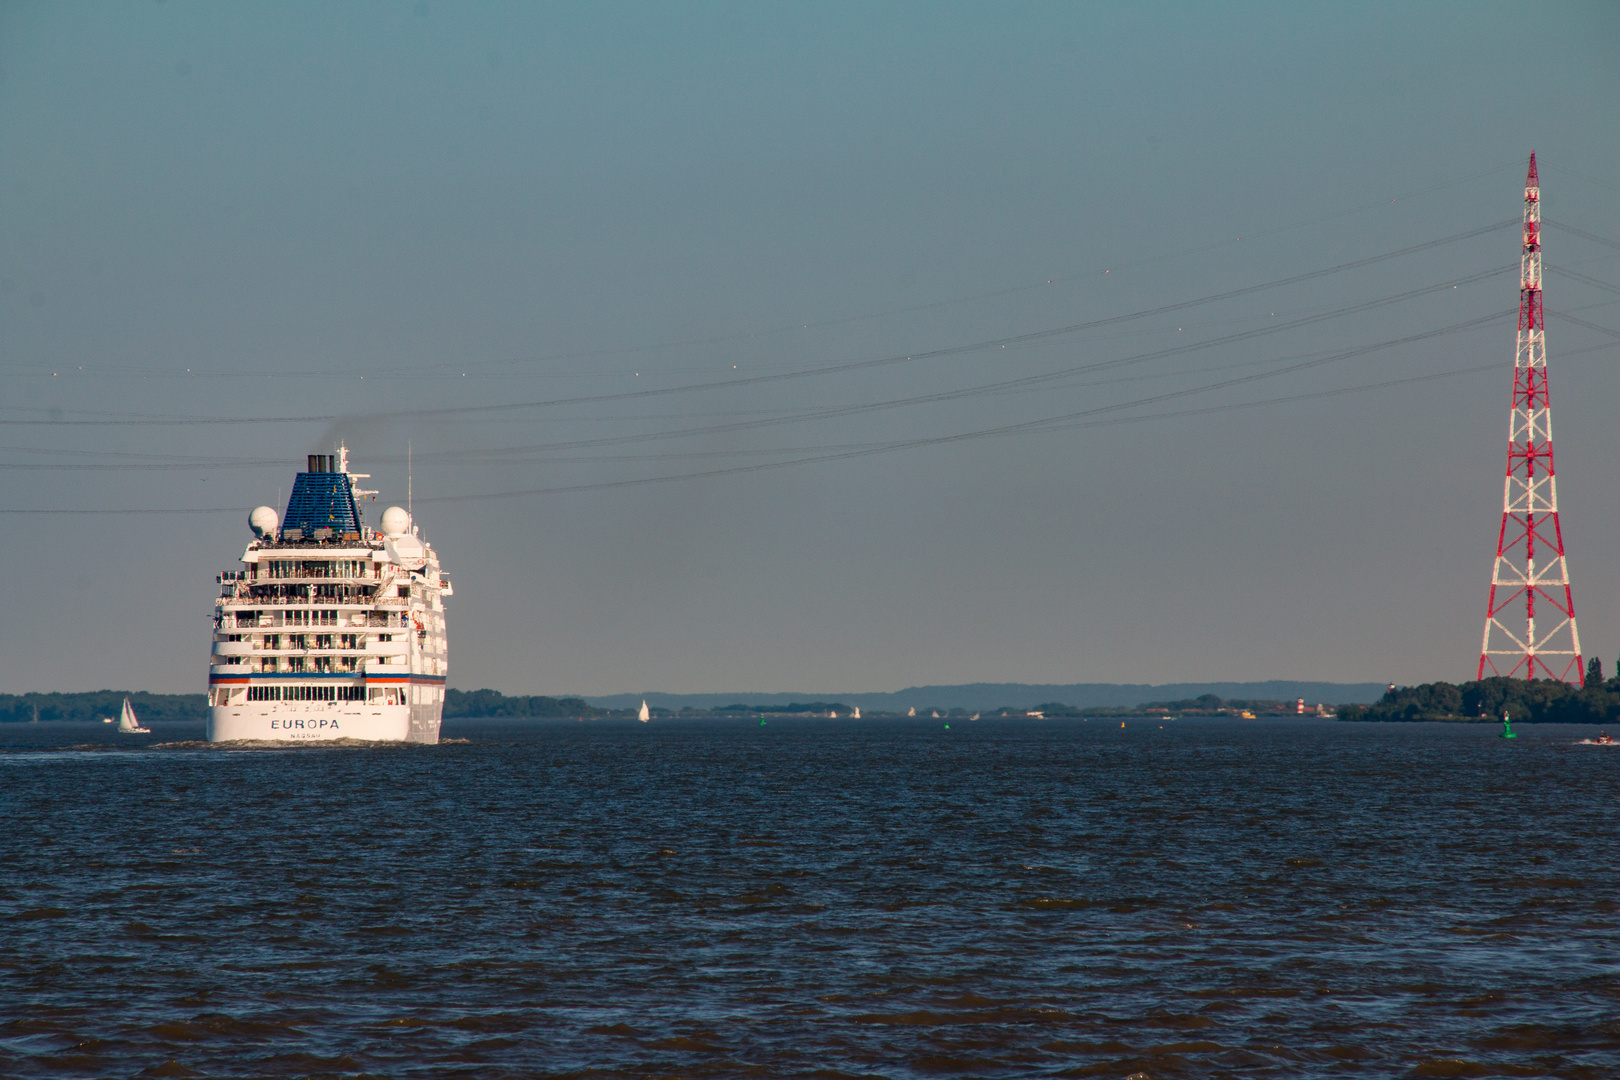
pixel 1538 701
pixel 93 705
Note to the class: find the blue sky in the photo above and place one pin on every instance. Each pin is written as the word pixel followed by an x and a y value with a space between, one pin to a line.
pixel 369 214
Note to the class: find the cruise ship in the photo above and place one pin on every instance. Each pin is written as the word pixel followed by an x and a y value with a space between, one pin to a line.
pixel 332 630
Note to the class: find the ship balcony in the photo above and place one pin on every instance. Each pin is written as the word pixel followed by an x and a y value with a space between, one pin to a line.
pixel 300 664
pixel 311 650
pixel 248 601
pixel 261 578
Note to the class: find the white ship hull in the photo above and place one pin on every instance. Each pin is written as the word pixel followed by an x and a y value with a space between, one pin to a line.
pixel 318 721
pixel 325 722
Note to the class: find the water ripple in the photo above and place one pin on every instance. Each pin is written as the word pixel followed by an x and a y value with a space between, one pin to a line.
pixel 884 899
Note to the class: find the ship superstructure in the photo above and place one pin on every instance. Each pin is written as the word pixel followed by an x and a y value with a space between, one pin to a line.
pixel 332 629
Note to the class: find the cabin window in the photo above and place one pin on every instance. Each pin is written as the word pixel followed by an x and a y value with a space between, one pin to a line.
pixel 306 693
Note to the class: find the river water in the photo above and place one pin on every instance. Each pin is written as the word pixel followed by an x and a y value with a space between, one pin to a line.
pixel 815 898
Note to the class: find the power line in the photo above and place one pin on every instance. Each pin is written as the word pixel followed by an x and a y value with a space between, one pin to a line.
pixel 1582 233
pixel 1022 427
pixel 1095 417
pixel 755 380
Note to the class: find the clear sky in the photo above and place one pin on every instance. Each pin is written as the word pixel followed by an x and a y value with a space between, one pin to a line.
pixel 347 221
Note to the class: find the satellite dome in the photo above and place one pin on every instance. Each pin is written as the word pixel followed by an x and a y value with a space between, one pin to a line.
pixel 395 521
pixel 263 521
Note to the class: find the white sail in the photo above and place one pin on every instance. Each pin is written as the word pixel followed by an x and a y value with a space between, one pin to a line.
pixel 128 725
pixel 856 715
pixel 645 714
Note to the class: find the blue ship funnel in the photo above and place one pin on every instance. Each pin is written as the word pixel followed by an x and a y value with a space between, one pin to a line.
pixel 322 498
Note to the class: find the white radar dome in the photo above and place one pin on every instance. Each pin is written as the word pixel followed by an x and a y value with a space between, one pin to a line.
pixel 395 521
pixel 263 521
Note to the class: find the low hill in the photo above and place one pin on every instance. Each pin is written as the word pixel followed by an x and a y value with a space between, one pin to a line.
pixel 982 696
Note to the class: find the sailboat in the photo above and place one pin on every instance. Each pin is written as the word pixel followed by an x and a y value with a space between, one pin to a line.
pixel 645 714
pixel 128 725
pixel 856 715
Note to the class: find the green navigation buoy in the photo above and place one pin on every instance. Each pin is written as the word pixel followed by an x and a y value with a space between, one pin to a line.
pixel 1507 727
pixel 947 727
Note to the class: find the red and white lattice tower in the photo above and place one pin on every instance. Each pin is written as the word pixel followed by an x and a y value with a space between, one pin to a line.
pixel 1530 627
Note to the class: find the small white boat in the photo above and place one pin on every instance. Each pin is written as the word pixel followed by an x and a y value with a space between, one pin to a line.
pixel 856 715
pixel 645 714
pixel 912 711
pixel 128 725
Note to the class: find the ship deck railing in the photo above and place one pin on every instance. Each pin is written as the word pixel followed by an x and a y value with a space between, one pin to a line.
pixel 306 601
pixel 311 575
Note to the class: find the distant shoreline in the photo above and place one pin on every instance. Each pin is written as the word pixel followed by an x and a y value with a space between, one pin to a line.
pixel 968 698
pixel 1484 701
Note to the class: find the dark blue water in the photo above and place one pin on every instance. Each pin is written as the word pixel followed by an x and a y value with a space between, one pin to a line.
pixel 1214 899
